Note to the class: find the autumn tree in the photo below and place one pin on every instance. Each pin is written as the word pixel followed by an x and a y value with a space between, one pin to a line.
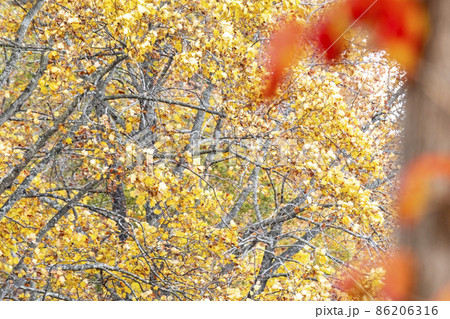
pixel 419 269
pixel 141 160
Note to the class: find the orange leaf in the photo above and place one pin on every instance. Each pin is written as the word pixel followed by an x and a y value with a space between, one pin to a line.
pixel 400 275
pixel 415 187
pixel 443 294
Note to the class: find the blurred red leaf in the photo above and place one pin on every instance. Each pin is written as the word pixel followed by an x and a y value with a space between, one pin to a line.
pixel 351 284
pixel 398 26
pixel 329 41
pixel 415 186
pixel 282 53
pixel 400 275
pixel 363 8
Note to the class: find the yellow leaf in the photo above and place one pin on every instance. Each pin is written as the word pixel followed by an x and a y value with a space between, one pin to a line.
pixel 54 69
pixel 128 127
pixel 91 69
pixel 178 46
pixel 303 257
pixel 44 90
pixel 346 221
pixel 162 187
pixel 53 86
pixel 53 55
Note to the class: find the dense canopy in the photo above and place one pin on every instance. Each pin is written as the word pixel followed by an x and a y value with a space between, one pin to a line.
pixel 140 159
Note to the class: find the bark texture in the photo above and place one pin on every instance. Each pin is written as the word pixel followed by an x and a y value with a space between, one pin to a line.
pixel 428 132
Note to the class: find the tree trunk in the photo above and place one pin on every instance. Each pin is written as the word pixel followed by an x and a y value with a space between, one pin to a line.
pixel 428 132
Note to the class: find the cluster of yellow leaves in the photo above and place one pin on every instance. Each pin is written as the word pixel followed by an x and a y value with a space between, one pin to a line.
pixel 309 142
